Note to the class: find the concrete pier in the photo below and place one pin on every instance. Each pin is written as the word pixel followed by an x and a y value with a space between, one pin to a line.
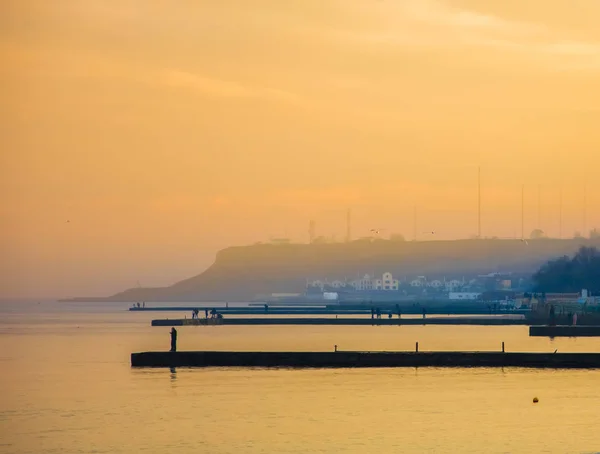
pixel 565 331
pixel 348 359
pixel 261 311
pixel 366 321
pixel 330 310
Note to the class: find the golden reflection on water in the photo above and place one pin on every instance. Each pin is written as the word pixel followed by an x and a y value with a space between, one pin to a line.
pixel 68 387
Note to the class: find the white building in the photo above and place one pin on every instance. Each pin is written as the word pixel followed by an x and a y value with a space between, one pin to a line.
pixel 436 284
pixel 453 285
pixel 366 283
pixel 420 281
pixel 387 282
pixel 316 284
pixel 464 296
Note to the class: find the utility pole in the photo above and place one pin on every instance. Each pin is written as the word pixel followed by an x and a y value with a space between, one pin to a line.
pixel 523 212
pixel 479 203
pixel 539 210
pixel 415 223
pixel 584 209
pixel 348 226
pixel 560 200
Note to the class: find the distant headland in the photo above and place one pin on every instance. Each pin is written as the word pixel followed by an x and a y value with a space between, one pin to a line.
pixel 240 273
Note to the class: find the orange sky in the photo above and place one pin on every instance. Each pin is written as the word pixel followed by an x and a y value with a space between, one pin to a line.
pixel 164 131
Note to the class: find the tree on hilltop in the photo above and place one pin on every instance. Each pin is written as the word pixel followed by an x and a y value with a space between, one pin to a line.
pixel 537 234
pixel 570 275
pixel 397 237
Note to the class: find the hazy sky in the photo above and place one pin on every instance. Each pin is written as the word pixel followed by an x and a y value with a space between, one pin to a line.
pixel 139 137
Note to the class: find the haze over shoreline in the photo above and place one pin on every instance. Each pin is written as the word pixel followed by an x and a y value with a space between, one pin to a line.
pixel 140 138
pixel 242 273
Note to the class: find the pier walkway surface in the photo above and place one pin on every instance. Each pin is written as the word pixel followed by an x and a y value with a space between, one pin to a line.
pixel 350 359
pixel 565 331
pixel 366 321
pixel 329 310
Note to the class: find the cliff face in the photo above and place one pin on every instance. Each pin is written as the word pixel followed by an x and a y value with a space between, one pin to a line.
pixel 240 273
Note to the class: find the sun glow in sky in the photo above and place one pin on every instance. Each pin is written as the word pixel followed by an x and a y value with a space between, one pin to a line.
pixel 139 137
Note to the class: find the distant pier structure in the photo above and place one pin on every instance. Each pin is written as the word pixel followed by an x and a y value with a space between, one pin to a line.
pixel 350 359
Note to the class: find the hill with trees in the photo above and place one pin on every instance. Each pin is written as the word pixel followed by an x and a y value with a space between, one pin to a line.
pixel 241 273
pixel 569 275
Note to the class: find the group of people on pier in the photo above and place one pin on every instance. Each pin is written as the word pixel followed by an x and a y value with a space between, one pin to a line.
pixel 213 314
pixel 376 312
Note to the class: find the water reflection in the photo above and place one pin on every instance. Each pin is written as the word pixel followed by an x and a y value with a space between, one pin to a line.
pixel 173 373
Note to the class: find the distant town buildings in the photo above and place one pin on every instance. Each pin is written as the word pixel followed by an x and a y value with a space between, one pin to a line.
pixel 460 289
pixel 367 282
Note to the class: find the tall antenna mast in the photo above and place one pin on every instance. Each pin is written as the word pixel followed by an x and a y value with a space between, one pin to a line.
pixel 348 226
pixel 539 207
pixel 415 223
pixel 479 202
pixel 560 199
pixel 584 208
pixel 523 212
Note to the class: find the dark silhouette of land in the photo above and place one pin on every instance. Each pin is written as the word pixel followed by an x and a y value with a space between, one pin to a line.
pixel 564 275
pixel 240 273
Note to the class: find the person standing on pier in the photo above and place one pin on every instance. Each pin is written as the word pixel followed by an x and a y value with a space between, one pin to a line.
pixel 552 316
pixel 173 339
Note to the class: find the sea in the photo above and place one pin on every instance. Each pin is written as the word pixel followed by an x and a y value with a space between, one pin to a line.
pixel 67 387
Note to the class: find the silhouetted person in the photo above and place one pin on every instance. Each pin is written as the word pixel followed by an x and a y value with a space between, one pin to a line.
pixel 552 316
pixel 372 313
pixel 173 340
pixel 206 313
pixel 424 312
pixel 390 315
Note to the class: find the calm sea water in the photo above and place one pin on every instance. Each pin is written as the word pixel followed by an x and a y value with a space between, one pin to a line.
pixel 67 386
